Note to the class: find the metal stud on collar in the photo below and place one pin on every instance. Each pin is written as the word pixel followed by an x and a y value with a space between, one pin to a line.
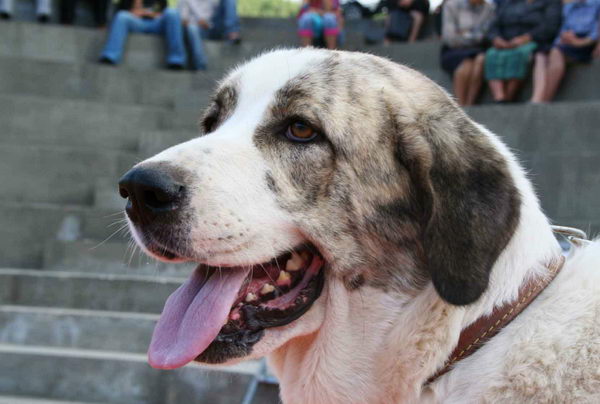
pixel 575 236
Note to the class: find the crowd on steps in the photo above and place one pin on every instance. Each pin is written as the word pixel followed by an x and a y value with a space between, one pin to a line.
pixel 498 41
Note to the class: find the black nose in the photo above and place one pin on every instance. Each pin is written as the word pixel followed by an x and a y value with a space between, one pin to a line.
pixel 152 192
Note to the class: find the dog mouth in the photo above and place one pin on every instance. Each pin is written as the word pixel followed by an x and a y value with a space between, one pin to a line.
pixel 234 305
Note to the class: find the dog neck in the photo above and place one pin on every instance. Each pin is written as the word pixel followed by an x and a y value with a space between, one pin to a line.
pixel 377 348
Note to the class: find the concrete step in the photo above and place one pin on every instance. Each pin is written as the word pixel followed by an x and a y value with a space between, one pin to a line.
pixel 559 146
pixel 94 82
pixel 77 290
pixel 143 52
pixel 30 119
pixel 582 83
pixel 33 400
pixel 72 328
pixel 25 227
pixel 120 378
pixel 107 257
pixel 57 174
pixel 153 142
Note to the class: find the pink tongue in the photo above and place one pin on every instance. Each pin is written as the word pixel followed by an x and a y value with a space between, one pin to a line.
pixel 193 316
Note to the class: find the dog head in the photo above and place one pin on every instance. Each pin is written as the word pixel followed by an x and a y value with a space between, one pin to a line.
pixel 313 167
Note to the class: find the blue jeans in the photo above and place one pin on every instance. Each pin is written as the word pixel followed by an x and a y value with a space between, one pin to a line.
pixel 195 33
pixel 167 24
pixel 43 7
pixel 224 22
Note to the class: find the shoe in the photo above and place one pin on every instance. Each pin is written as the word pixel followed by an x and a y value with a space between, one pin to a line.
pixel 106 61
pixel 174 66
pixel 5 16
pixel 234 38
pixel 43 18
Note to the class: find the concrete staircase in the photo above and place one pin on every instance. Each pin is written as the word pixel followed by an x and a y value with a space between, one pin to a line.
pixel 77 303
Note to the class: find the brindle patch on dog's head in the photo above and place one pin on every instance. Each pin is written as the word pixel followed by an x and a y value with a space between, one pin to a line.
pixel 222 106
pixel 401 187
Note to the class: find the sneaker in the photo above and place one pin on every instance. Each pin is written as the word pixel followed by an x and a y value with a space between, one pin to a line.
pixel 5 16
pixel 43 18
pixel 234 38
pixel 106 61
pixel 174 66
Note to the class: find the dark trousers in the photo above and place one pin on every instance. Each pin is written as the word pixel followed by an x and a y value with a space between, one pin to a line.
pixel 67 11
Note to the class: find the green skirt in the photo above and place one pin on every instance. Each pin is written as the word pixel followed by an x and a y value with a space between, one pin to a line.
pixel 506 64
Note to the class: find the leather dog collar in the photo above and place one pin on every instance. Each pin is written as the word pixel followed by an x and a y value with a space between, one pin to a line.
pixel 483 329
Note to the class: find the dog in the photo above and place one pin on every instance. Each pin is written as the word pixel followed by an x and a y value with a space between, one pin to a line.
pixel 350 221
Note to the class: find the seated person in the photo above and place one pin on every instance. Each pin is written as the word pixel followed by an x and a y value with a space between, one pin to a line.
pixel 465 26
pixel 208 19
pixel 319 19
pixel 149 17
pixel 575 43
pixel 406 17
pixel 67 11
pixel 43 10
pixel 520 28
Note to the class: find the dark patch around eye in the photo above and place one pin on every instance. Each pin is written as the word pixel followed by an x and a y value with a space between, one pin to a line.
pixel 221 109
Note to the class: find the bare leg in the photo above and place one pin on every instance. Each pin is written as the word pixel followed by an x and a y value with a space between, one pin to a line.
pixel 497 89
pixel 512 88
pixel 417 23
pixel 305 41
pixel 476 79
pixel 461 80
pixel 331 41
pixel 540 70
pixel 556 72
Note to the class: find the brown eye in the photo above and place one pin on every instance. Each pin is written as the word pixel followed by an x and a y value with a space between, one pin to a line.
pixel 300 132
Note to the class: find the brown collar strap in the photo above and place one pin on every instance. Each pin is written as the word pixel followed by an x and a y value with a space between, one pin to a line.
pixel 478 333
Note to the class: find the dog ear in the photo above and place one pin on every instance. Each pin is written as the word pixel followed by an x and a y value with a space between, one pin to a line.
pixel 469 205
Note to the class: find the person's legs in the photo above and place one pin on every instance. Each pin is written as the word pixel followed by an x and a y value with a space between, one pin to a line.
pixel 417 22
pixel 43 8
pixel 170 24
pixel 99 9
pixel 512 88
pixel 66 12
pixel 194 37
pixel 330 30
pixel 305 29
pixel 6 8
pixel 461 80
pixel 476 79
pixel 123 23
pixel 556 71
pixel 540 70
pixel 225 21
pixel 497 89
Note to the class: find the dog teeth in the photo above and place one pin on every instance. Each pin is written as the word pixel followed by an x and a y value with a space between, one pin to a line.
pixel 285 279
pixel 266 289
pixel 294 263
pixel 251 297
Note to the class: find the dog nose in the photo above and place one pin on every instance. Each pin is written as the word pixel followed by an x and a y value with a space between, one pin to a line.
pixel 152 192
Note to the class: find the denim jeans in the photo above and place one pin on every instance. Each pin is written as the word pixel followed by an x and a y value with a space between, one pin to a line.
pixel 195 33
pixel 167 24
pixel 42 7
pixel 223 22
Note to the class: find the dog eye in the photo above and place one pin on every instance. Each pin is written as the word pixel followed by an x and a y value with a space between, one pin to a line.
pixel 300 132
